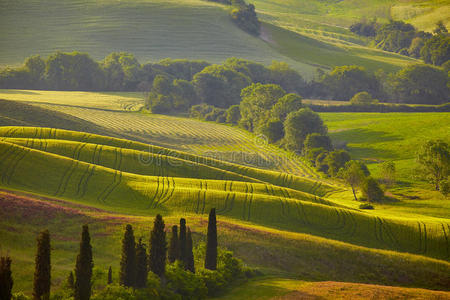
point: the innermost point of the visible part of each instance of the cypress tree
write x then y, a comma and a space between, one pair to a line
83, 268
71, 281
141, 265
182, 243
211, 242
110, 275
190, 253
127, 276
158, 247
6, 281
174, 245
41, 282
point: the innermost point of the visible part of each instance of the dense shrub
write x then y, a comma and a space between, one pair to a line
244, 16
273, 130
363, 98
185, 283
366, 206
233, 114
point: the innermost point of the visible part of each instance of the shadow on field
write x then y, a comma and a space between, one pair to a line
19, 92
362, 135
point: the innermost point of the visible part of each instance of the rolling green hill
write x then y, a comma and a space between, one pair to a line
193, 29
75, 171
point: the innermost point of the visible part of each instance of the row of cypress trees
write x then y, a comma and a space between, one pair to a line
134, 264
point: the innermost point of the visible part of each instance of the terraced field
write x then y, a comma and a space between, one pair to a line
137, 178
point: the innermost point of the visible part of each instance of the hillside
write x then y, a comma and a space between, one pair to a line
192, 29
281, 253
75, 170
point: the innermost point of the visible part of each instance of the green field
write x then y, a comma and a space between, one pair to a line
192, 29
290, 225
137, 178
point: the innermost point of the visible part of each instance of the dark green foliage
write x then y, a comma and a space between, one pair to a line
41, 282
189, 252
354, 174
110, 280
199, 111
257, 100
436, 50
245, 17
285, 105
185, 283
257, 72
83, 268
6, 281
216, 115
343, 82
321, 162
273, 130
122, 71
317, 140
434, 160
211, 242
421, 84
336, 160
233, 114
71, 281
312, 154
286, 77
395, 36
363, 98
299, 125
364, 28
174, 246
158, 247
73, 71
35, 66
444, 187
141, 265
127, 275
180, 68
372, 190
220, 85
182, 242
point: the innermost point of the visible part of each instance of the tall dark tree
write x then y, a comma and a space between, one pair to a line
211, 242
6, 281
71, 281
141, 265
190, 253
110, 275
41, 282
127, 276
83, 268
158, 247
174, 245
182, 242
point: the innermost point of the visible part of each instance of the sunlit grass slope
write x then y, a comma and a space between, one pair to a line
101, 176
275, 252
378, 137
110, 111
152, 30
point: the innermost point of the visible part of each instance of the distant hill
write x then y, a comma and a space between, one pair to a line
193, 29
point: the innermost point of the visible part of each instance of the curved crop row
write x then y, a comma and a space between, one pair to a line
240, 200
273, 177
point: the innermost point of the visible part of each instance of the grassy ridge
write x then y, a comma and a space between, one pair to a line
263, 204
284, 254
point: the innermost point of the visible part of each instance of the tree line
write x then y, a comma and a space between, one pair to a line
175, 85
405, 39
165, 271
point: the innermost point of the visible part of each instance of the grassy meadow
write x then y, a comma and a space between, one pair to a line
192, 29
